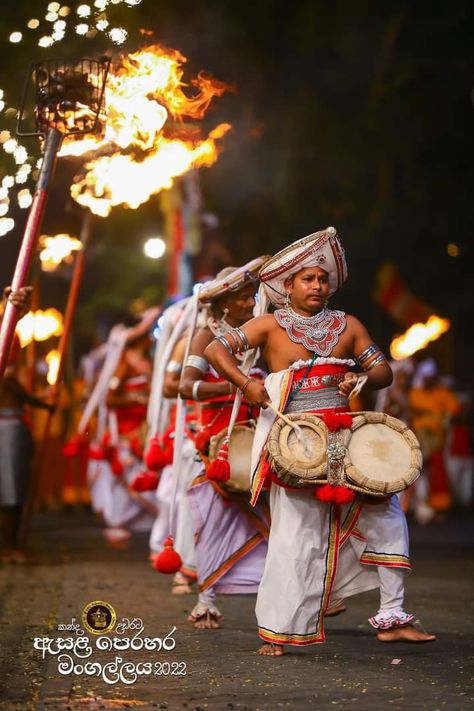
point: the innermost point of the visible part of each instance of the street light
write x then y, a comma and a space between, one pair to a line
154, 248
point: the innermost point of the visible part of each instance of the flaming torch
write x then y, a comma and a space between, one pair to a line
418, 336
68, 98
147, 143
57, 249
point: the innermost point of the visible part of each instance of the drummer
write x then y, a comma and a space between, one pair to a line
335, 549
231, 536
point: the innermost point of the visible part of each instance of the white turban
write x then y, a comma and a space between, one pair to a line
322, 249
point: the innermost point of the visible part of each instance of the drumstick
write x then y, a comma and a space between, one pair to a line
298, 431
361, 381
285, 419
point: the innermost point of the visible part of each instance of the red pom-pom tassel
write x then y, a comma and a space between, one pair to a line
325, 493
202, 439
219, 469
335, 422
71, 448
115, 464
343, 495
145, 481
168, 561
346, 420
96, 451
334, 494
155, 458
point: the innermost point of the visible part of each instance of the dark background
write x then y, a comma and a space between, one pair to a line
352, 114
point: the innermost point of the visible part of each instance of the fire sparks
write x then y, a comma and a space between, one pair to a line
57, 249
146, 144
39, 326
418, 336
52, 359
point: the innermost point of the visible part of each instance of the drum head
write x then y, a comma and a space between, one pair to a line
383, 455
240, 452
298, 457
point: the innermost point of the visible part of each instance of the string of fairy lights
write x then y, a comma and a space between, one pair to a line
86, 20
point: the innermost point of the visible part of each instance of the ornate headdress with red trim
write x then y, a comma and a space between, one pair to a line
320, 249
231, 279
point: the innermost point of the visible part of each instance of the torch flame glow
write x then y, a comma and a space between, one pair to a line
52, 359
146, 144
39, 326
57, 249
418, 336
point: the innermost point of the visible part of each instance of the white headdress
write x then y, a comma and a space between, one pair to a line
321, 249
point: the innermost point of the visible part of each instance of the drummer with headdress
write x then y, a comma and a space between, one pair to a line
231, 535
325, 544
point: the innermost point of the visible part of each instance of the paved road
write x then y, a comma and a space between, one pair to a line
73, 567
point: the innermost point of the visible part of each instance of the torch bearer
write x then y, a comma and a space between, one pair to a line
68, 97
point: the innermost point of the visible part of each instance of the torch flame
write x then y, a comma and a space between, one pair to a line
39, 326
418, 336
146, 145
52, 359
57, 249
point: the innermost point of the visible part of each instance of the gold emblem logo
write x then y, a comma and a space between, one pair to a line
99, 617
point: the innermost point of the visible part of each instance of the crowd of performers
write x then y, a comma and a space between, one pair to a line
181, 445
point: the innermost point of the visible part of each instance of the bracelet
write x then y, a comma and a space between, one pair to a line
380, 359
245, 385
368, 353
195, 394
225, 343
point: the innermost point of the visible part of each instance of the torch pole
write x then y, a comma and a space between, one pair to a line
28, 244
73, 295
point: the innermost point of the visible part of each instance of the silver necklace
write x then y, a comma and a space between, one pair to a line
318, 334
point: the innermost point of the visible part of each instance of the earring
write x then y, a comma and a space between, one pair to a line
287, 300
224, 314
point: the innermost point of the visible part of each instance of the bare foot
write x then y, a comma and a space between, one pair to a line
271, 650
335, 611
407, 633
181, 589
206, 621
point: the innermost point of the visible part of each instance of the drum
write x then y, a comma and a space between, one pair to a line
299, 457
383, 456
240, 452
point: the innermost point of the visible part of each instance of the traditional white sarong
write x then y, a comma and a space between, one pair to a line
112, 498
317, 550
231, 539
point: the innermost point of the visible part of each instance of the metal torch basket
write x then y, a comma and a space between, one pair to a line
68, 95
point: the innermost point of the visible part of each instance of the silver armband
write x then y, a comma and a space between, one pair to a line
225, 343
245, 346
368, 353
194, 361
174, 366
195, 393
380, 359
